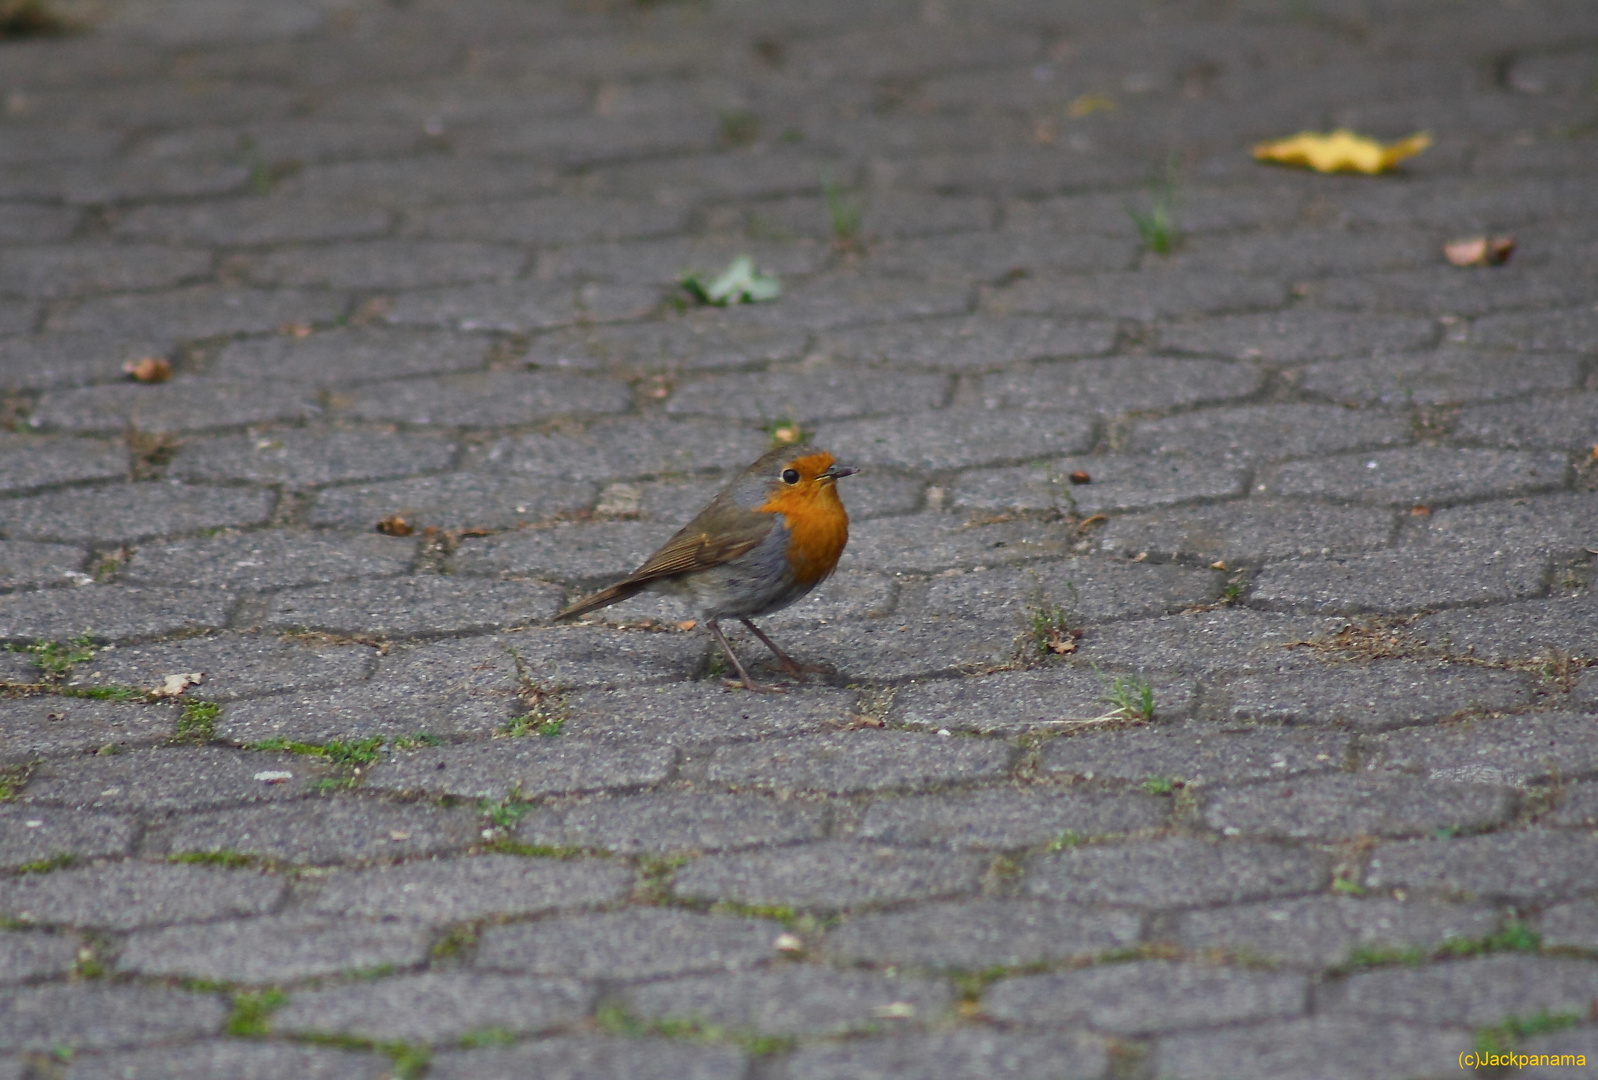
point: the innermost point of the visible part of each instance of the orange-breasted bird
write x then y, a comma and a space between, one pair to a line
764, 541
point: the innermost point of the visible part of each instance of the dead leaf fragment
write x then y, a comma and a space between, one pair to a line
394, 525
1480, 250
687, 624
149, 369
173, 685
1420, 511
296, 330
788, 943
1340, 151
1088, 104
1081, 477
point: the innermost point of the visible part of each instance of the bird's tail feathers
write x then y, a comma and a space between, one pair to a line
604, 598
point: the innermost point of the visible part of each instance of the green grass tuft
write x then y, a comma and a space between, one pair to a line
198, 722
252, 1012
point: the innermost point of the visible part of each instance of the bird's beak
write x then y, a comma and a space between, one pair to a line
835, 471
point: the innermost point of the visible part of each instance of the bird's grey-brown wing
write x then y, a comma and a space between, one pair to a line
719, 534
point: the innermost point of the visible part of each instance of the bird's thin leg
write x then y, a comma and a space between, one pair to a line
792, 666
749, 684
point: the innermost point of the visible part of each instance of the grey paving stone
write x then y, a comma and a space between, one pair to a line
665, 263
1447, 290
33, 834
27, 956
490, 399
640, 943
173, 780
1120, 384
60, 270
968, 344
1119, 482
930, 542
846, 299
1228, 639
40, 361
1343, 807
1362, 1049
625, 449
253, 221
1263, 433
1008, 817
1440, 378
89, 183
712, 338
674, 821
82, 1016
25, 563
1529, 628
19, 316
1323, 931
807, 396
1141, 295
1176, 872
793, 1000
346, 355
688, 713
555, 219
580, 657
130, 895
970, 1054
1257, 530
859, 761
1298, 335
234, 1058
185, 404
415, 605
1562, 422
1562, 524
995, 257
201, 311
318, 832
39, 462
829, 876
885, 216
435, 1008
300, 457
233, 665
55, 726
1478, 992
1563, 1050
957, 438
520, 306
592, 1059
1370, 697
1574, 925
531, 767
1089, 590
1533, 864
1513, 750
457, 890
1404, 580
274, 949
1021, 701
132, 511
384, 264
591, 552
452, 501
1568, 328
982, 934
268, 560
1310, 253
1199, 754
1420, 475
1578, 806
1147, 997
37, 223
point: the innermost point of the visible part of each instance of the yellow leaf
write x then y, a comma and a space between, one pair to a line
1088, 104
1340, 151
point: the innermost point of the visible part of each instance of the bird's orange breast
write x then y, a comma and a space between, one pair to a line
818, 527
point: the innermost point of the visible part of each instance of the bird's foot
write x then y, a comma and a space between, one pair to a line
753, 687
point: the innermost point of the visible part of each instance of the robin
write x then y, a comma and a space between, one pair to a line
764, 541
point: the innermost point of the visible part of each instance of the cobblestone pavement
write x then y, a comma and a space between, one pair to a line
420, 258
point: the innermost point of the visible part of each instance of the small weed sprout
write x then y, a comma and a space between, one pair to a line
1129, 697
547, 710
785, 432
252, 1012
845, 213
1157, 228
1070, 838
198, 722
57, 658
738, 127
1160, 785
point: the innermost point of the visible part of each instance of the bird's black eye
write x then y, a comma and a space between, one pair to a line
790, 476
